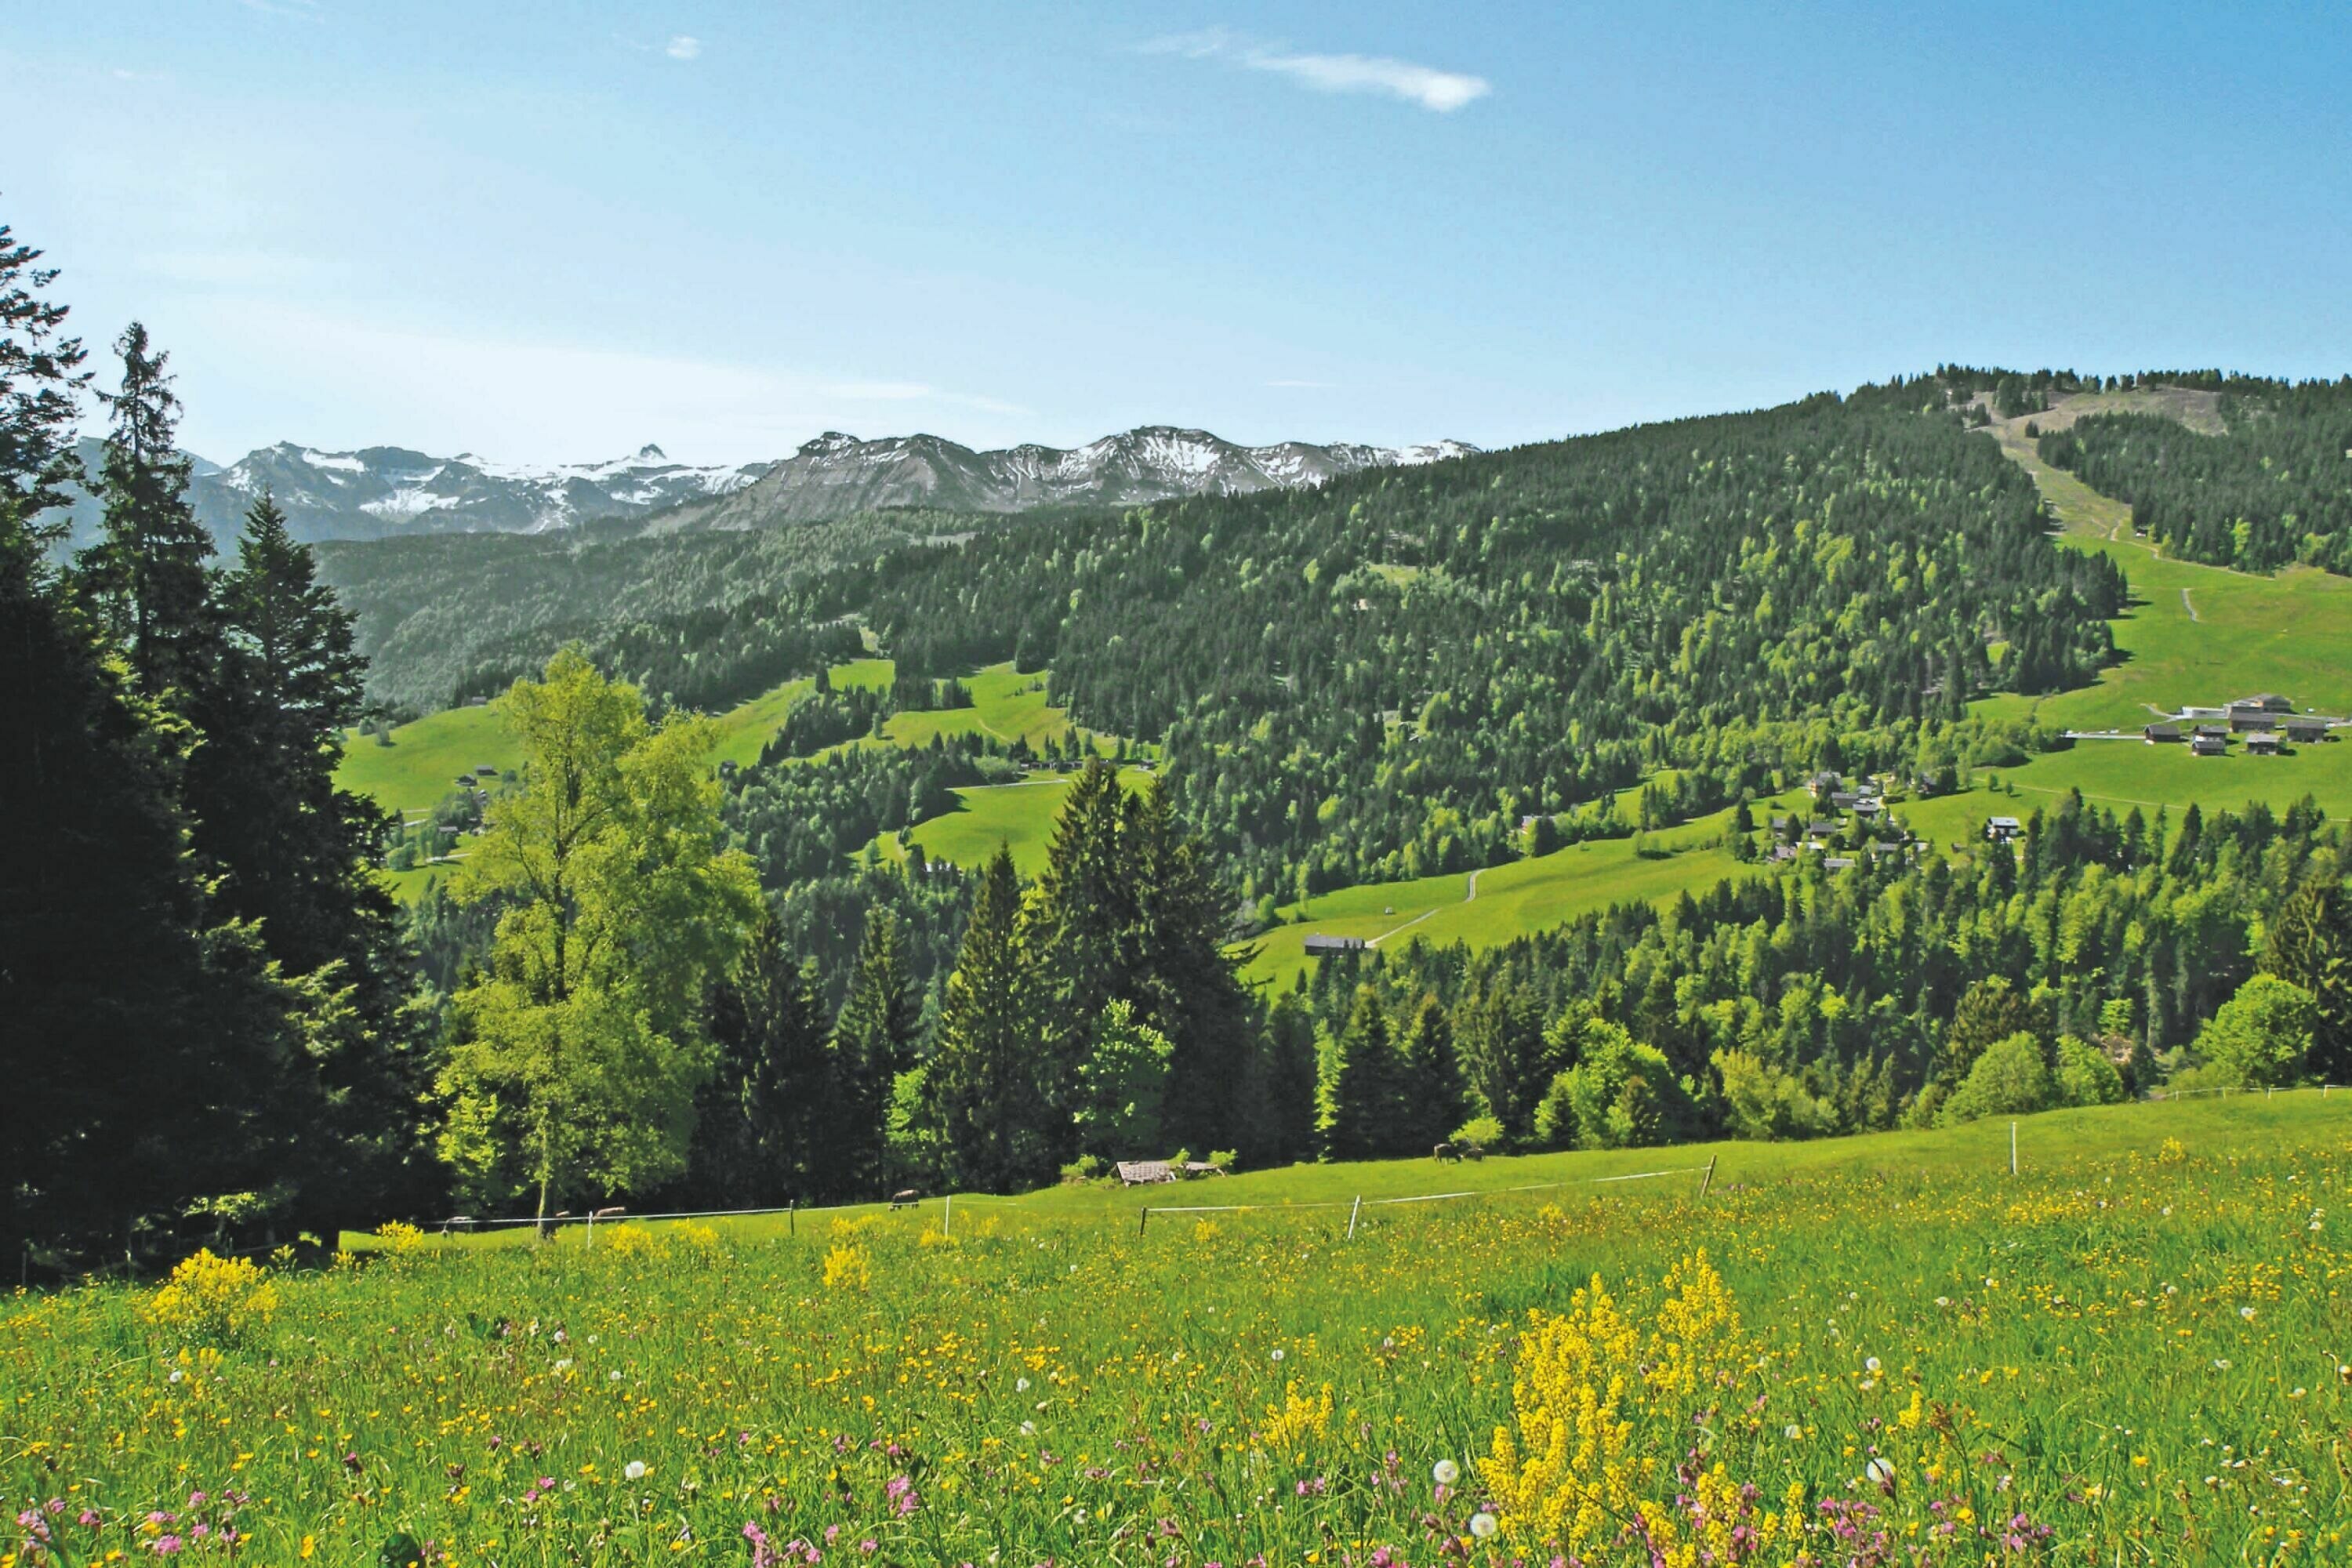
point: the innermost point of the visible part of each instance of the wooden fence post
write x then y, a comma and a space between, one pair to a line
947, 1212
1143, 1219
1352, 1213
1708, 1180
2013, 1148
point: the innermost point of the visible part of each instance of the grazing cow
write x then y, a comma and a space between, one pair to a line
1445, 1152
900, 1200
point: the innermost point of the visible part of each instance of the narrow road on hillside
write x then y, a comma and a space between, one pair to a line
2187, 606
1466, 897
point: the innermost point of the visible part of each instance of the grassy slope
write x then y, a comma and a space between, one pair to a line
1020, 814
2095, 1344
2291, 634
1513, 900
1005, 704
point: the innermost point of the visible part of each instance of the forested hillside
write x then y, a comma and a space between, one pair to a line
2275, 488
1381, 678
696, 618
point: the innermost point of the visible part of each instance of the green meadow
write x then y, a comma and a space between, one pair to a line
1018, 815
2126, 1353
1006, 704
1510, 901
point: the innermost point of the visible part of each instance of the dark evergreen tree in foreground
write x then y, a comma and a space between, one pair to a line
137, 1027
873, 1042
297, 856
1364, 1110
760, 1120
985, 1101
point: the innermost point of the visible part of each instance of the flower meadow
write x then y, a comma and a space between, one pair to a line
1884, 1351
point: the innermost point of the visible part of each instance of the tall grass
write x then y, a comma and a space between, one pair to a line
2129, 1351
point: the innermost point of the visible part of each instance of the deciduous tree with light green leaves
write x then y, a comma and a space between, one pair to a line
2260, 1037
581, 1049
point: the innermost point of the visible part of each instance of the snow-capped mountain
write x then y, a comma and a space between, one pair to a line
835, 475
385, 490
390, 491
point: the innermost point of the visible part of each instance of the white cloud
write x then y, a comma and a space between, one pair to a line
1442, 91
685, 47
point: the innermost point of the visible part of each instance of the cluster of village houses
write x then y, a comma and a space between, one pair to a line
1851, 809
2268, 721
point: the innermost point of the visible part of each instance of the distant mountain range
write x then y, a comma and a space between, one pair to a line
389, 491
838, 476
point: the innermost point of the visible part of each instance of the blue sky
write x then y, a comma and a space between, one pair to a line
549, 232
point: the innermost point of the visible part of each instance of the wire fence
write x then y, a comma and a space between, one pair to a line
1355, 1205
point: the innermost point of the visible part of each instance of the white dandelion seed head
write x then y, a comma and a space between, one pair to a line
1483, 1526
1275, 1354
1445, 1472
1871, 1363
635, 1470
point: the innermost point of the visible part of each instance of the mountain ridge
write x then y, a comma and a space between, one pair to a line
392, 491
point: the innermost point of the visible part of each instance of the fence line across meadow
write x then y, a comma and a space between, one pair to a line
1355, 1206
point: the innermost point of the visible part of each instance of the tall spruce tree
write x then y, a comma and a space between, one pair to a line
1503, 1054
982, 1086
1276, 1120
760, 1120
1083, 940
1363, 1113
292, 852
873, 1041
1191, 983
1432, 1076
148, 577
